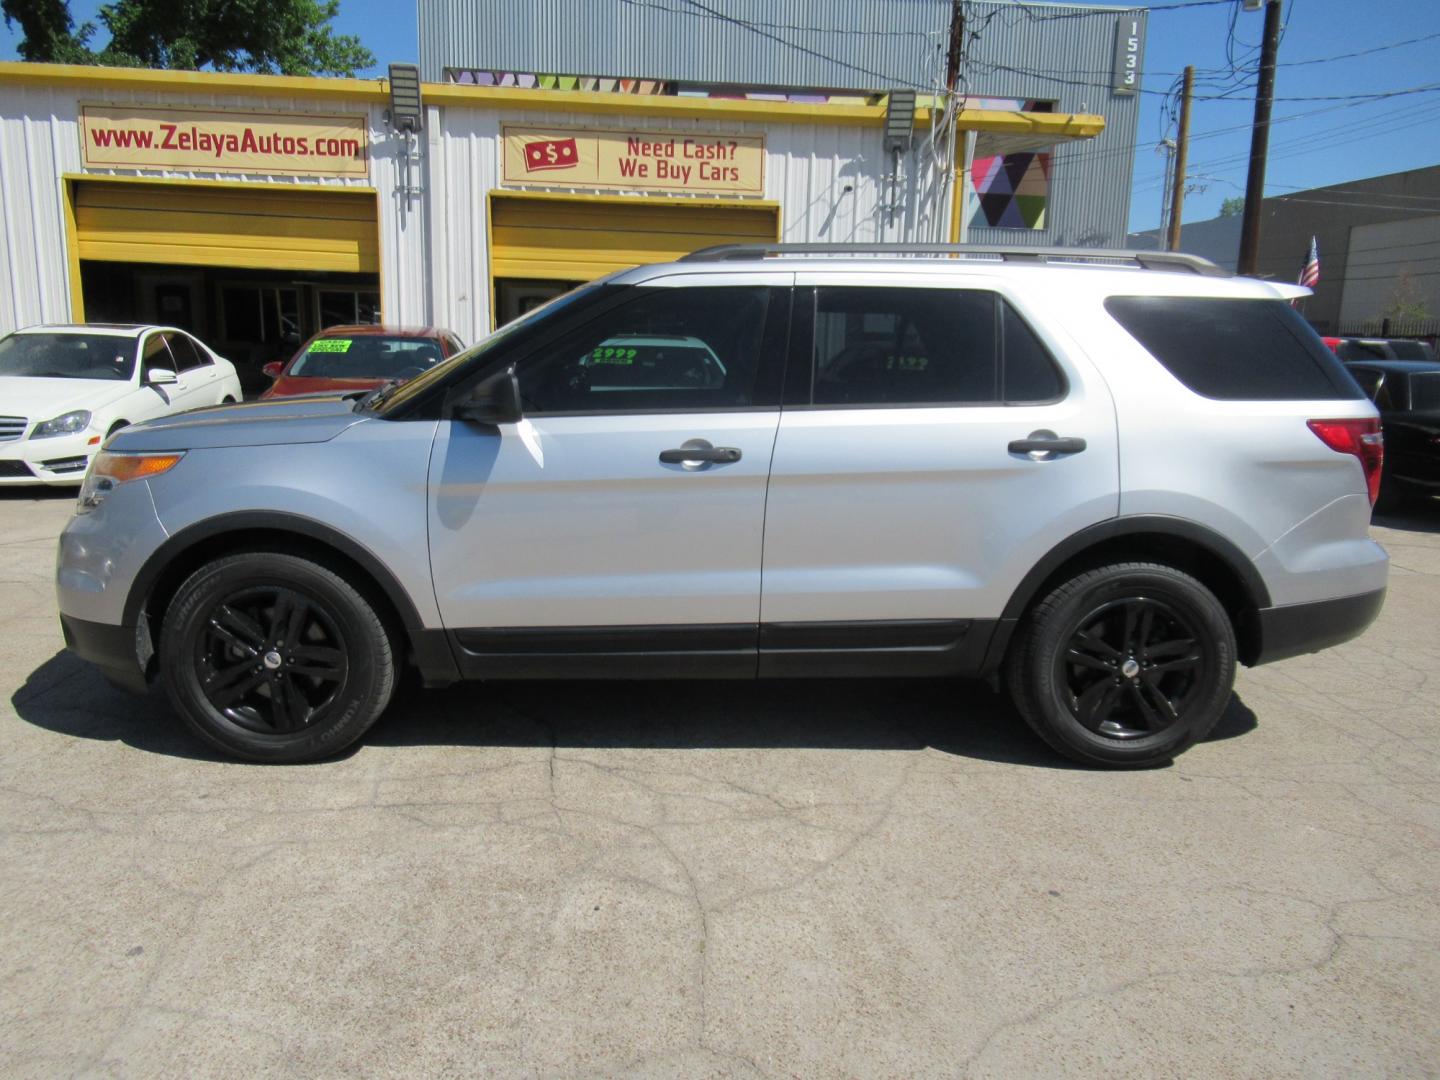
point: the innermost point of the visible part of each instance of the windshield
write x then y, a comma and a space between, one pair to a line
68, 356
366, 356
408, 391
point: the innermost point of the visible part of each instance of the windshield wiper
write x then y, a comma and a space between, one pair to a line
373, 399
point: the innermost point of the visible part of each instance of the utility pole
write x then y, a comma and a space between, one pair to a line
1177, 193
1260, 141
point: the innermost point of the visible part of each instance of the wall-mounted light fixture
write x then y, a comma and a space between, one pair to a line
899, 119
406, 113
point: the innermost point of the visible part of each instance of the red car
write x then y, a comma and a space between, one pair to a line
343, 358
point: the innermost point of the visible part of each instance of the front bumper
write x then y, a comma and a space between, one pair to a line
113, 649
1296, 629
60, 461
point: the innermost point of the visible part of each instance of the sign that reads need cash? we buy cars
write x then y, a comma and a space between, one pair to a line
635, 160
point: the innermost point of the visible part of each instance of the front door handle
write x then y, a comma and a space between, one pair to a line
1047, 444
686, 454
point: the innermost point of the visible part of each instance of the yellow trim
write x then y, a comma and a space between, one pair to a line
237, 185
555, 247
494, 303
72, 252
256, 226
632, 200
372, 91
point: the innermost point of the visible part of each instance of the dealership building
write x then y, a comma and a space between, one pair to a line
257, 209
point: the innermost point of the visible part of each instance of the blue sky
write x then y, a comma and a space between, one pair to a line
1313, 142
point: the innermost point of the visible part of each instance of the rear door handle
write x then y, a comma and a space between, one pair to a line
1052, 444
685, 454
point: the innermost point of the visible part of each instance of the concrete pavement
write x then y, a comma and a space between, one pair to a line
809, 880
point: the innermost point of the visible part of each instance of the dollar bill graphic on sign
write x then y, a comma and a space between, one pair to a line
551, 154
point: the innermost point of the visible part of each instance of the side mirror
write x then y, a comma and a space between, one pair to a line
161, 377
494, 401
272, 370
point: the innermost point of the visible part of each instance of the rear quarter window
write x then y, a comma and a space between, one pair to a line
1235, 349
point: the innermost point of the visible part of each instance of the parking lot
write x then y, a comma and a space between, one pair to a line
800, 879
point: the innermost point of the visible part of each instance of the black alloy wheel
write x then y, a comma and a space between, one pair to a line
271, 659
275, 657
1127, 664
1134, 667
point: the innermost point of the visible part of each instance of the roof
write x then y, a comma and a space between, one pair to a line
107, 329
1028, 127
1396, 367
377, 330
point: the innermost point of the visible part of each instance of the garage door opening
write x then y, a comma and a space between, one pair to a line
542, 245
253, 271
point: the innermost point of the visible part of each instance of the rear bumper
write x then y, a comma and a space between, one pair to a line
1296, 629
109, 648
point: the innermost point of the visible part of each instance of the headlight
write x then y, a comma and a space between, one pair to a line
68, 424
108, 470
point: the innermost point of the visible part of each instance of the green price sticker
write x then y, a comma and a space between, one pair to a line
613, 354
333, 344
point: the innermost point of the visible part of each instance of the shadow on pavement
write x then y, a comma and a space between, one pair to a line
968, 719
39, 493
1414, 516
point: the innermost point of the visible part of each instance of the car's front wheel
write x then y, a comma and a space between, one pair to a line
1124, 665
273, 657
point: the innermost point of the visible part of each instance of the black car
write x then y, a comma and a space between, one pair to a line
1364, 349
1407, 393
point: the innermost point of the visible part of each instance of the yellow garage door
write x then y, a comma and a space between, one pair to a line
581, 239
288, 228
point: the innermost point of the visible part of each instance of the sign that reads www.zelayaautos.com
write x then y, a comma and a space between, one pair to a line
172, 137
634, 160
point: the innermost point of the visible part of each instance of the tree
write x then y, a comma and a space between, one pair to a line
1406, 301
289, 37
1232, 207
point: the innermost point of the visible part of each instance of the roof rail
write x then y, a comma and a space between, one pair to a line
1148, 260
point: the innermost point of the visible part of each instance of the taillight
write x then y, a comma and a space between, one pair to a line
1360, 437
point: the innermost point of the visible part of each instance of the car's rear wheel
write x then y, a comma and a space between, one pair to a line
272, 657
1124, 665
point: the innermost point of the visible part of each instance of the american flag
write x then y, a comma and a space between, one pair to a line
1310, 272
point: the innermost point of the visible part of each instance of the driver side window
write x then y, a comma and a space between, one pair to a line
670, 348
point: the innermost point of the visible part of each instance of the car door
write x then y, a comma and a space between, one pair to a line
156, 400
198, 375
617, 528
931, 450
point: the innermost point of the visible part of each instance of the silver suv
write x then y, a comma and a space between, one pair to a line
1106, 479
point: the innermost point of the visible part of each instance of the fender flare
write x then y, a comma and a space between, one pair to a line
275, 521
1118, 528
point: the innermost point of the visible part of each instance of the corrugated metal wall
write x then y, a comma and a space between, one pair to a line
40, 144
1061, 54
1027, 51
807, 171
831, 43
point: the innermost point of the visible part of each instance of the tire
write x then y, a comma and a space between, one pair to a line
1124, 666
116, 427
313, 639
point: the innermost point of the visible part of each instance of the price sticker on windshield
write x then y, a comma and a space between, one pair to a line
330, 345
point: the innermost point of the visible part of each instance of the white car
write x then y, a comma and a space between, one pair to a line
64, 389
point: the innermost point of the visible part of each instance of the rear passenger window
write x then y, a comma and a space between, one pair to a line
1029, 373
187, 356
1235, 350
898, 346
